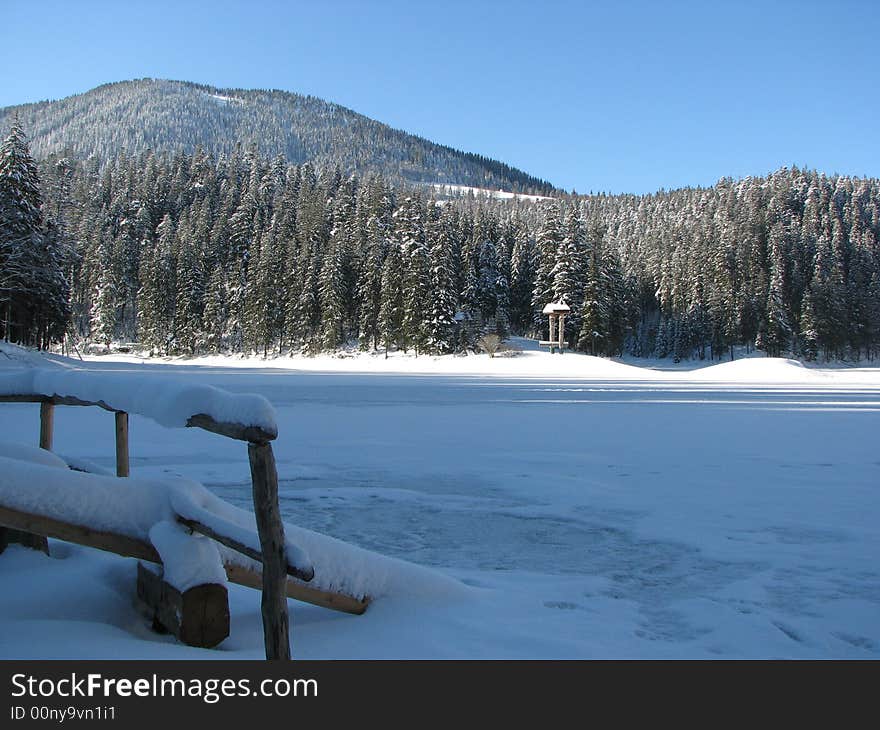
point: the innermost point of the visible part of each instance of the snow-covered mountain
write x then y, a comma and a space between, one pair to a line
174, 115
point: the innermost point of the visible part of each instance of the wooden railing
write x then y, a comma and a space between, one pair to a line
273, 577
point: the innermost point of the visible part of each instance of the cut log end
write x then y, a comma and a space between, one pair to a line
199, 616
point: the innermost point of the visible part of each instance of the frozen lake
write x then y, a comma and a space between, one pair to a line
661, 516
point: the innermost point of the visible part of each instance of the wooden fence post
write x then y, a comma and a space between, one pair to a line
8, 535
264, 477
121, 444
47, 425
30, 539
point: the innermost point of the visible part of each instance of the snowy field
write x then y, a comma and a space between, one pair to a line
569, 507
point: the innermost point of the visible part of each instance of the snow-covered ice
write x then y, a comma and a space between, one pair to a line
562, 506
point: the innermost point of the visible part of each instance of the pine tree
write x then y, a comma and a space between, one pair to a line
809, 329
391, 311
775, 333
190, 294
416, 274
441, 314
104, 316
548, 239
333, 299
158, 286
30, 274
522, 282
569, 258
308, 307
594, 313
214, 317
369, 288
619, 303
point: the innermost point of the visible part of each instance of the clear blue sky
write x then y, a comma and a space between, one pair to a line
617, 96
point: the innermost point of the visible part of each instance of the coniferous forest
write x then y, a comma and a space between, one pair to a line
241, 253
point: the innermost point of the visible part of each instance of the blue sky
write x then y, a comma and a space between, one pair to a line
616, 96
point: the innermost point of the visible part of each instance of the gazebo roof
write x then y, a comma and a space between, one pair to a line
556, 308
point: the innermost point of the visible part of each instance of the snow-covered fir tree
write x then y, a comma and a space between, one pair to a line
33, 287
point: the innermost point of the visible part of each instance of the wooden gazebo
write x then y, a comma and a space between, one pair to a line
556, 311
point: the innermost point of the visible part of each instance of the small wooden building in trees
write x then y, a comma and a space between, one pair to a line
556, 312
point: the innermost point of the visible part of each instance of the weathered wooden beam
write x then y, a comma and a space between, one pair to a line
69, 400
135, 548
199, 616
237, 431
29, 398
60, 530
121, 443
47, 425
233, 544
264, 478
60, 400
325, 599
253, 434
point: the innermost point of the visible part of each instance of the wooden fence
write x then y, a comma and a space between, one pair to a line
272, 579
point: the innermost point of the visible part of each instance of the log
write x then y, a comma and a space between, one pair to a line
294, 589
142, 550
264, 478
23, 398
199, 616
78, 534
121, 443
195, 526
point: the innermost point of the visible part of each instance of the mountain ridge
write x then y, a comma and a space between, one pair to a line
178, 116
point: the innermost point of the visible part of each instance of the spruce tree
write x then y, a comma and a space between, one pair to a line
369, 287
29, 269
441, 314
522, 282
548, 239
391, 311
333, 299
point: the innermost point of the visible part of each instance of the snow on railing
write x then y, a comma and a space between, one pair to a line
171, 402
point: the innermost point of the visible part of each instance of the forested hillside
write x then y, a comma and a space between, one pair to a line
132, 117
192, 254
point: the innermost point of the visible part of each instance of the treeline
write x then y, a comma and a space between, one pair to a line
191, 254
